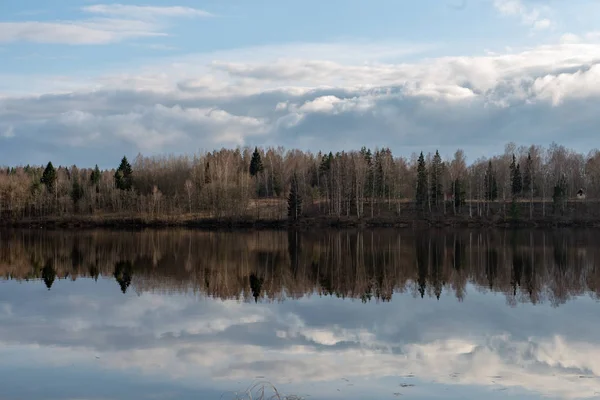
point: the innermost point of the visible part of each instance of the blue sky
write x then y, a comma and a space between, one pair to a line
82, 81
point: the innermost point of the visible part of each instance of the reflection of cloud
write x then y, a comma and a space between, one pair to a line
304, 342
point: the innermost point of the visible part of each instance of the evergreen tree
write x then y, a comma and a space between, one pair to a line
380, 189
124, 175
491, 184
95, 176
422, 190
436, 172
49, 177
207, 178
459, 193
76, 192
559, 197
294, 199
325, 165
515, 177
366, 154
256, 165
528, 175
518, 183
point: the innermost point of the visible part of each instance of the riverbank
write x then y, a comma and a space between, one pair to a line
321, 222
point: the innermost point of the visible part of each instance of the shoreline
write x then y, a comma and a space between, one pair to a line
322, 222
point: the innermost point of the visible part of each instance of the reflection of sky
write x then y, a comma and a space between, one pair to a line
85, 340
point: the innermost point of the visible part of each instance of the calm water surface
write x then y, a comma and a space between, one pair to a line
322, 315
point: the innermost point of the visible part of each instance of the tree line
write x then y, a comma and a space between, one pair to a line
278, 183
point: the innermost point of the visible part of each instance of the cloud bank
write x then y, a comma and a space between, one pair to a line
319, 97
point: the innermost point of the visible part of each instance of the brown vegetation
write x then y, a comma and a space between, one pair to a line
237, 185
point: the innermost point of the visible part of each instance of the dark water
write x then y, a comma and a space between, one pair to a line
322, 315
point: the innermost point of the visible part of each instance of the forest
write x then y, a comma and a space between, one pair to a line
277, 184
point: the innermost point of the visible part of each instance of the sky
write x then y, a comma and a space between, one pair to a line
85, 82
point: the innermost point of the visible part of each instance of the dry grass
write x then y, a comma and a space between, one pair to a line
262, 390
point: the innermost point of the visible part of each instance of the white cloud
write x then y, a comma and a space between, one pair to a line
76, 32
531, 16
324, 100
144, 12
541, 24
119, 22
570, 38
156, 127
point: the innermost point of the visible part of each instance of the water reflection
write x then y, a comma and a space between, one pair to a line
382, 314
526, 266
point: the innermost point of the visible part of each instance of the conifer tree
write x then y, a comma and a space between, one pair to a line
528, 183
559, 196
528, 175
294, 199
256, 165
49, 177
422, 189
491, 184
459, 194
76, 193
207, 178
515, 177
436, 172
95, 176
124, 175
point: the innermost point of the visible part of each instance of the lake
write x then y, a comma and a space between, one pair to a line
383, 314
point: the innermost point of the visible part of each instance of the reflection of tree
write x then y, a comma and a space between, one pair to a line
76, 256
560, 252
94, 272
517, 265
459, 253
48, 274
123, 274
294, 247
437, 261
529, 272
422, 252
366, 265
491, 266
256, 286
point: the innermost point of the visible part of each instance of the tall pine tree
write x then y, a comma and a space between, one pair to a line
515, 178
124, 175
458, 193
559, 197
256, 165
528, 176
49, 177
436, 174
294, 199
95, 176
491, 184
422, 189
